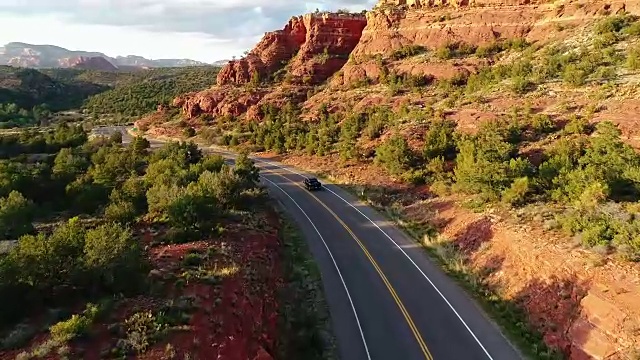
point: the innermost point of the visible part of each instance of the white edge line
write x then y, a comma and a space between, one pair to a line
402, 250
364, 342
388, 237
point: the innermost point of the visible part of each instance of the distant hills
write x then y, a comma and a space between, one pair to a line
50, 56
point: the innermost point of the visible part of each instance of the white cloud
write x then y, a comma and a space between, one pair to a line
198, 29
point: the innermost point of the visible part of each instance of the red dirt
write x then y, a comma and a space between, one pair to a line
242, 325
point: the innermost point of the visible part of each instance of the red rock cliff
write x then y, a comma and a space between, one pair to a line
314, 45
393, 24
271, 54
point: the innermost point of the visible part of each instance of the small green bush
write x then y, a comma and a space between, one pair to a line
77, 325
574, 76
408, 51
518, 192
192, 260
394, 154
633, 58
453, 50
439, 139
123, 212
577, 125
189, 132
520, 85
614, 24
142, 330
542, 124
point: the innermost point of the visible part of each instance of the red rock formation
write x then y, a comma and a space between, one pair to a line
219, 101
433, 23
316, 45
88, 63
271, 54
329, 42
309, 50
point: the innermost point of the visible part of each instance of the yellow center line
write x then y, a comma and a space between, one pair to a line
394, 294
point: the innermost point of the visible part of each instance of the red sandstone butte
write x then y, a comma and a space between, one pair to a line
311, 47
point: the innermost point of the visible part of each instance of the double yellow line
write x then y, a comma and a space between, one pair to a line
395, 296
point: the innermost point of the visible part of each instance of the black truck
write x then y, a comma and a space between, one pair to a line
312, 184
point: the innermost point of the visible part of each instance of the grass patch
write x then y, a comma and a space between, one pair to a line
304, 314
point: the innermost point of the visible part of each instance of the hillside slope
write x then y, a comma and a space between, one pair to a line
508, 127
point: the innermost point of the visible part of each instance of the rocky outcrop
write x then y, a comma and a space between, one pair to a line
88, 63
271, 54
310, 49
394, 24
218, 102
230, 101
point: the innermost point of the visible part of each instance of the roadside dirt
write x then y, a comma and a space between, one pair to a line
235, 303
585, 304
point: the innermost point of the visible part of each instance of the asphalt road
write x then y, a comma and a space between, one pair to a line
387, 299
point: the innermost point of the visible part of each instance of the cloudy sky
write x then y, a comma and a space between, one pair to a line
205, 30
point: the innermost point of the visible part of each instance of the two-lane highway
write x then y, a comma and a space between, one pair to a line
407, 308
387, 299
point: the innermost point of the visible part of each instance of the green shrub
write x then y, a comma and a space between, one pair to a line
444, 53
627, 240
394, 154
376, 124
452, 50
191, 260
518, 192
408, 51
482, 163
574, 76
520, 85
189, 132
16, 216
77, 325
415, 177
577, 125
633, 58
614, 24
542, 124
113, 256
45, 262
439, 139
633, 29
123, 212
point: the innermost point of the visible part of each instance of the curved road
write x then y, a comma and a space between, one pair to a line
387, 299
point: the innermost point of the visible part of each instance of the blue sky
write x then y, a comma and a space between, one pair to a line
205, 30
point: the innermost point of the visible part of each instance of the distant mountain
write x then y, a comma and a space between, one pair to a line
220, 62
50, 56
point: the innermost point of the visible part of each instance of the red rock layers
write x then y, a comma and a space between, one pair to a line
309, 50
271, 53
329, 41
434, 23
315, 45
